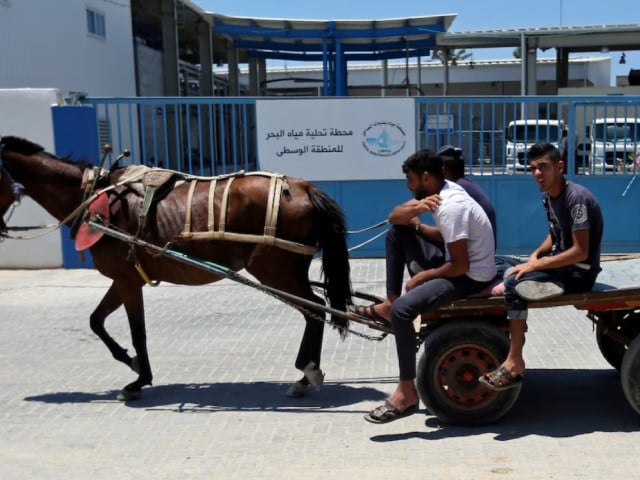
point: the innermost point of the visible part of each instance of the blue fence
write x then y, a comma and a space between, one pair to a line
600, 135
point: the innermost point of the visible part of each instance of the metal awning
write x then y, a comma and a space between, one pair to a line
332, 42
313, 40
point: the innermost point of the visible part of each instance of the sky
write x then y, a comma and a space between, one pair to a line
472, 15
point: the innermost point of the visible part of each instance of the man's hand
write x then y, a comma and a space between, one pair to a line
520, 269
417, 280
432, 202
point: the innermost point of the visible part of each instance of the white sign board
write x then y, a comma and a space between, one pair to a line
336, 139
439, 123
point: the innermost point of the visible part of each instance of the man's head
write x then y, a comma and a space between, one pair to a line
452, 162
547, 167
424, 174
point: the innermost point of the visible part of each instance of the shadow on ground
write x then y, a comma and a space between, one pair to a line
553, 403
202, 397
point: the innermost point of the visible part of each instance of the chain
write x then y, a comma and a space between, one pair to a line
305, 311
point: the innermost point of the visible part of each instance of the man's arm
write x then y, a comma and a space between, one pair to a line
578, 252
543, 249
407, 214
456, 266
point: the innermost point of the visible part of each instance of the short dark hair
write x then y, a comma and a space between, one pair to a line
541, 149
452, 160
424, 161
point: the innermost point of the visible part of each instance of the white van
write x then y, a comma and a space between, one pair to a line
521, 134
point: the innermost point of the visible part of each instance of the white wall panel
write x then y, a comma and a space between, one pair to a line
27, 113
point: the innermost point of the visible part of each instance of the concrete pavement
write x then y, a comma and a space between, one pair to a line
223, 357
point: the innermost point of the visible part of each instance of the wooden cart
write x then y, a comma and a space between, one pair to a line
468, 338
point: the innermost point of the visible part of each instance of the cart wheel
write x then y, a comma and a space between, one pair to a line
624, 323
455, 355
630, 374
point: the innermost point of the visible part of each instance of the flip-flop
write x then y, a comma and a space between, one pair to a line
369, 311
500, 379
386, 413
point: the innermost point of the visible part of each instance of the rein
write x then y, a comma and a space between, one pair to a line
366, 229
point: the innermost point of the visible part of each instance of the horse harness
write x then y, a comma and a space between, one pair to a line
152, 184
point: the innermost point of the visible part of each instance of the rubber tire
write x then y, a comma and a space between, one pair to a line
473, 347
625, 323
630, 374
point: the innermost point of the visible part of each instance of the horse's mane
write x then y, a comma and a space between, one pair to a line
20, 145
27, 147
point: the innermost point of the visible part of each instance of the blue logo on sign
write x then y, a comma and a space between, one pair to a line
384, 139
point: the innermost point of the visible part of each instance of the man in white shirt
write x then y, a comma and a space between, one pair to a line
467, 266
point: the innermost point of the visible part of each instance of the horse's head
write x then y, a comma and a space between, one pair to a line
10, 191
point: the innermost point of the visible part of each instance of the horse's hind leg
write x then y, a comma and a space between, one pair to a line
308, 359
291, 275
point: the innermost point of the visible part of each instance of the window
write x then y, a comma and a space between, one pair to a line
95, 23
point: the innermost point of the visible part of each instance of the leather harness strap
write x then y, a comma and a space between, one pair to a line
224, 205
186, 233
277, 186
212, 203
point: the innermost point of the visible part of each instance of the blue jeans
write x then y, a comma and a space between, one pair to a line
573, 279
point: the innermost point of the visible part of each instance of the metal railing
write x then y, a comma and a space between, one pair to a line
216, 135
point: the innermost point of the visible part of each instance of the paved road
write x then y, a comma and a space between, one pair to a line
223, 358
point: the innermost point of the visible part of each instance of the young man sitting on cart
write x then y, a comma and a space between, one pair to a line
457, 261
568, 260
419, 246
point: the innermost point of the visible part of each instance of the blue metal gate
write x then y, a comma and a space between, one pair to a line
211, 136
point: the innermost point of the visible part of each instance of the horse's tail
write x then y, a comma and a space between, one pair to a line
331, 232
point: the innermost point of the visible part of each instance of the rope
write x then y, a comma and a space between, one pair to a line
355, 247
366, 229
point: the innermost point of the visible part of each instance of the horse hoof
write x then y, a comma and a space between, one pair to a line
135, 365
314, 375
127, 396
297, 390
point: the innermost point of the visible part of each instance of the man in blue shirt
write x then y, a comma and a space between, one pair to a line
568, 259
453, 168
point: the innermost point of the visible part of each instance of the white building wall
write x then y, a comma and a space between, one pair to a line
28, 114
46, 45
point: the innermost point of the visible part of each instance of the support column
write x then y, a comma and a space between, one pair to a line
234, 86
262, 75
171, 77
253, 77
532, 70
170, 48
385, 77
445, 83
206, 59
562, 68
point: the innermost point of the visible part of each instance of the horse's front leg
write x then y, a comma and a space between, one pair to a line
133, 303
109, 304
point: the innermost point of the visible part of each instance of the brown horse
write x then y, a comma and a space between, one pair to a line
305, 216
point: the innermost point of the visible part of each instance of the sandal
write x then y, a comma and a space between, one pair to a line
500, 379
386, 413
368, 311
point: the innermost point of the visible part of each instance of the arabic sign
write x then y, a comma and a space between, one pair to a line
336, 139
